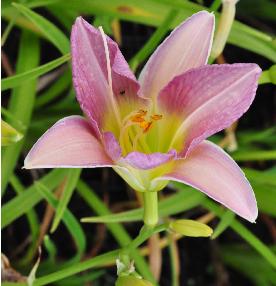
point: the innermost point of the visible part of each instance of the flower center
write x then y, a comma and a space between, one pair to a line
135, 126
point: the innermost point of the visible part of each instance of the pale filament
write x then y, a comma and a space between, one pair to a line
109, 76
136, 118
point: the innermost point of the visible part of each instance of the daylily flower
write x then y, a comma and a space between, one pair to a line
153, 130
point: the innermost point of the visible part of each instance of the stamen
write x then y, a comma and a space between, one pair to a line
124, 132
138, 119
109, 77
137, 137
156, 117
145, 125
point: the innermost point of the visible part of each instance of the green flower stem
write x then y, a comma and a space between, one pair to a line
145, 233
150, 208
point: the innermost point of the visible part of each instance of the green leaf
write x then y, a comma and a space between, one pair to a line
96, 262
248, 236
83, 279
268, 76
116, 229
153, 42
68, 218
9, 135
190, 228
254, 155
51, 248
71, 182
224, 223
153, 13
21, 102
243, 260
20, 78
33, 224
266, 198
61, 84
22, 203
181, 201
49, 30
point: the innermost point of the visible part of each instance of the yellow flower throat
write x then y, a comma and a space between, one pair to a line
134, 127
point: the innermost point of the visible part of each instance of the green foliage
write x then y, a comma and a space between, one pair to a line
31, 107
20, 78
22, 101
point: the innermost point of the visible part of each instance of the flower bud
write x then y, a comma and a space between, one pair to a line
9, 135
191, 228
224, 27
131, 281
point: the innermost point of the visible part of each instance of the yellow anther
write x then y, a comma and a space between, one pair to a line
156, 117
130, 135
137, 118
145, 125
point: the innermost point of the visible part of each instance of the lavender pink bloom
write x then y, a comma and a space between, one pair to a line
153, 130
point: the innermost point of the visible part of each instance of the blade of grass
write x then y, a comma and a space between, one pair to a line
22, 203
72, 179
95, 262
174, 204
51, 249
153, 12
8, 30
268, 76
245, 234
22, 101
18, 124
68, 218
254, 155
55, 90
174, 261
154, 40
243, 260
48, 29
215, 5
116, 229
262, 178
32, 73
78, 280
33, 223
224, 223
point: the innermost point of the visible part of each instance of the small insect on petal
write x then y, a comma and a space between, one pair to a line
191, 228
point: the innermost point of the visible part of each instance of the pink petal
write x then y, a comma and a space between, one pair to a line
148, 161
188, 46
209, 99
112, 146
70, 143
90, 71
211, 170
